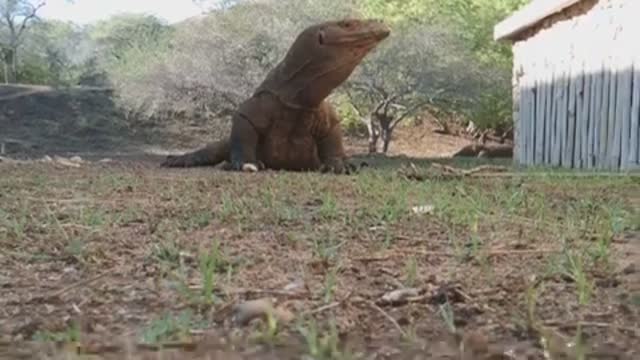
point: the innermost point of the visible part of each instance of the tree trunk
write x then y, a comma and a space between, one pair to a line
10, 68
373, 143
386, 139
373, 135
14, 66
384, 121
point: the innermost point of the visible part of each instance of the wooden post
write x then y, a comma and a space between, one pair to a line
542, 104
626, 103
611, 118
580, 96
516, 106
563, 109
585, 122
552, 118
634, 141
619, 114
571, 113
543, 127
593, 121
603, 117
532, 119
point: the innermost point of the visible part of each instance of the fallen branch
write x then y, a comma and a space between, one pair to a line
485, 151
563, 325
79, 283
403, 252
333, 305
441, 171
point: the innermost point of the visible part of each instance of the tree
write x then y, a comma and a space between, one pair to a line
54, 52
470, 23
15, 16
119, 33
420, 67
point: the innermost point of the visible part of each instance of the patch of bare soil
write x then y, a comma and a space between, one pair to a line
415, 141
113, 260
41, 120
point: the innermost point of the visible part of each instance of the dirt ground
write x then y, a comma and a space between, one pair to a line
114, 258
121, 259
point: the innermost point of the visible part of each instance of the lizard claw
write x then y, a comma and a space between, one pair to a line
245, 167
338, 166
249, 168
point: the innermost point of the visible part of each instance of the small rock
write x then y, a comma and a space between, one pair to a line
400, 295
298, 284
65, 162
76, 159
423, 209
105, 160
46, 158
260, 308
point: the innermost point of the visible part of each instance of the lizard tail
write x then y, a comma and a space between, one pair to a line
210, 155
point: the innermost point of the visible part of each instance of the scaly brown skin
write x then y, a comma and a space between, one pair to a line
287, 124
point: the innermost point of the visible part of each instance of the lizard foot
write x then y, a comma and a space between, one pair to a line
245, 167
249, 168
338, 166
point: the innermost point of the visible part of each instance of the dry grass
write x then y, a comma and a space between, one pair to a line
115, 259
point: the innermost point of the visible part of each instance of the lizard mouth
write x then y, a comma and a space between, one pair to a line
362, 40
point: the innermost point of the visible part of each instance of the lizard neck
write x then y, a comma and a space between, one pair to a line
288, 104
305, 85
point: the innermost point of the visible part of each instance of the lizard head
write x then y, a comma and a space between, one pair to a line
323, 56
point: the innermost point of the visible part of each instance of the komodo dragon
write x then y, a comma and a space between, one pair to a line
287, 124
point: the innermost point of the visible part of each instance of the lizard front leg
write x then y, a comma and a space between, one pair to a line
331, 153
244, 145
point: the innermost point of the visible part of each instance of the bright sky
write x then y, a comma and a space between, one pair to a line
87, 11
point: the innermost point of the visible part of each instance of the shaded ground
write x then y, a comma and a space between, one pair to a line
127, 253
40, 120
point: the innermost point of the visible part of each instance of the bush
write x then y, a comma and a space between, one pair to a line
206, 66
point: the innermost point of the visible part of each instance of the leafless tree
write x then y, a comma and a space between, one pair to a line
15, 16
418, 68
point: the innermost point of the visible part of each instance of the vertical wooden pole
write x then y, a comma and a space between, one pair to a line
611, 118
542, 87
580, 100
603, 117
585, 122
618, 119
549, 117
562, 118
550, 113
593, 121
571, 114
626, 103
516, 106
634, 141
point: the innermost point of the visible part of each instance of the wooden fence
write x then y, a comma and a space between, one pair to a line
577, 87
577, 119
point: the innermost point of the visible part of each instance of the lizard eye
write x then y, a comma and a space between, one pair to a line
321, 38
